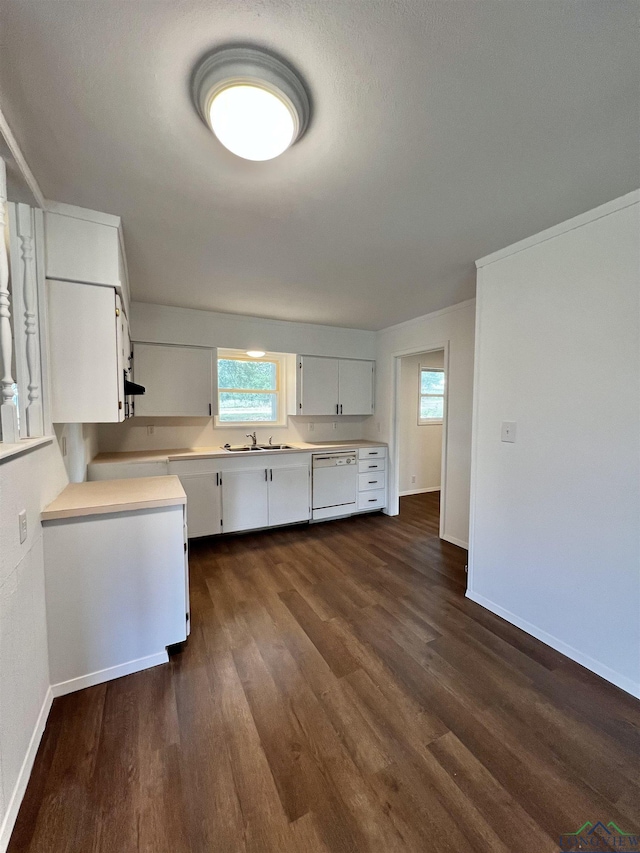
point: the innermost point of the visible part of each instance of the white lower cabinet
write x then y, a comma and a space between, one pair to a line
289, 494
265, 497
116, 593
204, 507
245, 500
372, 478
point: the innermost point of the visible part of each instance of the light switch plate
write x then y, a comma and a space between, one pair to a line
22, 521
508, 432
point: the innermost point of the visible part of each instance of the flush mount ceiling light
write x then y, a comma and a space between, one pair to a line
255, 104
255, 353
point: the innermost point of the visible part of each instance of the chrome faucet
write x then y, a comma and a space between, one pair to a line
270, 440
252, 436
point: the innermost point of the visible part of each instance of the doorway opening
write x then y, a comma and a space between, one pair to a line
421, 412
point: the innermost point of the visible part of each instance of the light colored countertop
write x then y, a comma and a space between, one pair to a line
131, 456
104, 496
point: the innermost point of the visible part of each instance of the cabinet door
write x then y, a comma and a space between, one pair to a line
289, 494
318, 385
81, 250
356, 387
85, 375
245, 502
203, 504
178, 380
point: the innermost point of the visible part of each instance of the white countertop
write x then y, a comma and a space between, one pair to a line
172, 455
104, 496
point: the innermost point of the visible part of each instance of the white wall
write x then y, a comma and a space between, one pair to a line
555, 543
454, 326
81, 444
163, 324
420, 444
29, 481
158, 323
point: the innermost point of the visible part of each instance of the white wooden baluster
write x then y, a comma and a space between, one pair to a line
8, 408
33, 408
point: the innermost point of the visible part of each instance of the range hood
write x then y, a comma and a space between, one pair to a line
131, 388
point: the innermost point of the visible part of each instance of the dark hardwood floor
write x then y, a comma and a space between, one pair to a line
338, 693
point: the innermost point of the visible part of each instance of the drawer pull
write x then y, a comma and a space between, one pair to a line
372, 482
373, 500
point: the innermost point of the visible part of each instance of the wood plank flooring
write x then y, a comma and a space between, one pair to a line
338, 693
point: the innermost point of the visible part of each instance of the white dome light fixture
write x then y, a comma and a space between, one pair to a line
255, 353
256, 106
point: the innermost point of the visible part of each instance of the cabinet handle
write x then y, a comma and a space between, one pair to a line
372, 500
337, 409
271, 473
372, 482
209, 409
265, 475
340, 408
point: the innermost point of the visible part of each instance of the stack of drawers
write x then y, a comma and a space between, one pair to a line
372, 477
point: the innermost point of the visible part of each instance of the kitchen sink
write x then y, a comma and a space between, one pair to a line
241, 448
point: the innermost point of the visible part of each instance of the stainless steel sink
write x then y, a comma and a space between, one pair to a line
242, 448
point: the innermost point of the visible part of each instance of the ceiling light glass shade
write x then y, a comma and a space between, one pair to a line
255, 353
255, 104
252, 122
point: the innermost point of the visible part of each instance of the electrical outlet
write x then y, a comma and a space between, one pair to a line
150, 430
413, 478
379, 427
22, 523
334, 425
63, 445
310, 426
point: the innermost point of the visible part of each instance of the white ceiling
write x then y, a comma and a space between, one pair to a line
441, 131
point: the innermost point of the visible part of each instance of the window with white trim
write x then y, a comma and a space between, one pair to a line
250, 390
431, 395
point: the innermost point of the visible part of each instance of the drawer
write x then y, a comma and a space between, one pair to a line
372, 452
368, 482
371, 465
372, 500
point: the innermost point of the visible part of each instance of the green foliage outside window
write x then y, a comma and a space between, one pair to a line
248, 390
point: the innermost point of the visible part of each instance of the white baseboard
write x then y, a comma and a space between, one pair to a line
588, 662
459, 542
418, 491
20, 787
102, 675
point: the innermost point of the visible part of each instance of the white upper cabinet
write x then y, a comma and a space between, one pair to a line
318, 385
334, 386
356, 387
85, 246
88, 346
179, 381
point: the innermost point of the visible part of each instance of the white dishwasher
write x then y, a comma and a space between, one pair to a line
334, 484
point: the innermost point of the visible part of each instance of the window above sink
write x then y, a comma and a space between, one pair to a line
250, 389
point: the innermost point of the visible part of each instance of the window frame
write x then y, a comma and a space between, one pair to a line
429, 421
279, 392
